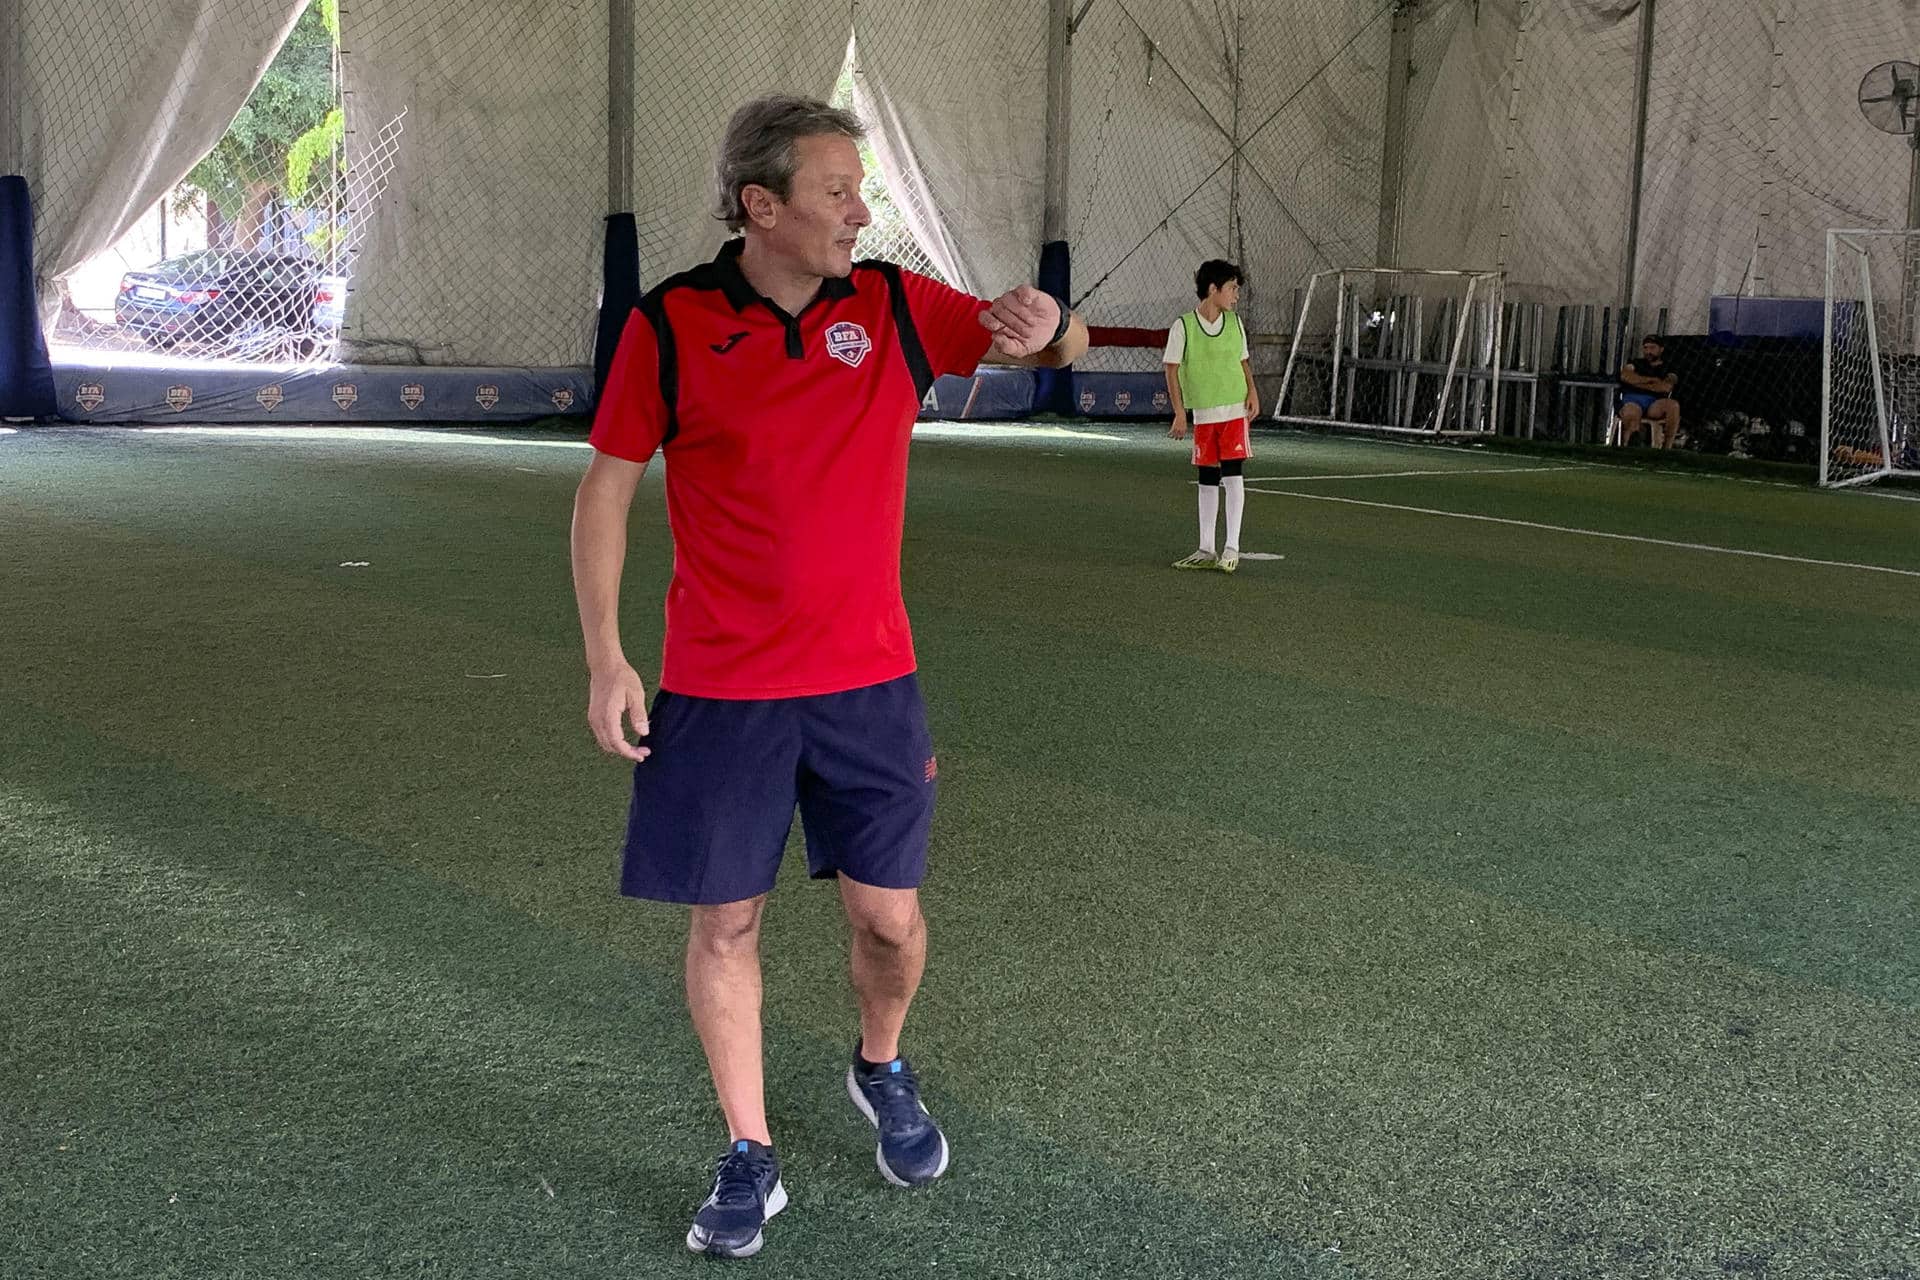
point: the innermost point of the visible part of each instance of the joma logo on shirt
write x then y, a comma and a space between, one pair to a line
848, 343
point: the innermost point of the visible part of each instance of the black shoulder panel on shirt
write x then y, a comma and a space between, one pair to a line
903, 325
653, 307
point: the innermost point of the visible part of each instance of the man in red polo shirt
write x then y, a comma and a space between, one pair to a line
781, 382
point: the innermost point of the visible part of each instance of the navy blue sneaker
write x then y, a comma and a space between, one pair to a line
746, 1192
912, 1149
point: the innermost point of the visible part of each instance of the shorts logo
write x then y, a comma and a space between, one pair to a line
270, 398
346, 395
179, 396
413, 395
1123, 401
90, 395
1087, 401
562, 399
848, 343
933, 768
486, 396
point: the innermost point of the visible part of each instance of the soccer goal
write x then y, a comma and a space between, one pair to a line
1870, 402
1394, 350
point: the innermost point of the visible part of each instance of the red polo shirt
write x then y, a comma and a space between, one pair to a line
785, 440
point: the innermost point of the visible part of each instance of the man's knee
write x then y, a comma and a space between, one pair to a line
891, 919
1629, 416
727, 929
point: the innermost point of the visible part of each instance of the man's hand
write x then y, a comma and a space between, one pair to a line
1022, 322
614, 696
1178, 431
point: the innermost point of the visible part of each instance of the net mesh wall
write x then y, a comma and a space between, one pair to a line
1257, 130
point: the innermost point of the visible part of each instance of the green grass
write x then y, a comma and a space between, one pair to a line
1449, 899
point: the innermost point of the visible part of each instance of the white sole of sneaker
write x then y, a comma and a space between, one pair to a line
776, 1201
879, 1153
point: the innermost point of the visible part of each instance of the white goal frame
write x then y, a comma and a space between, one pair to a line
1891, 434
1472, 396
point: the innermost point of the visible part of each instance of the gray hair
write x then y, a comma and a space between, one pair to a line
759, 148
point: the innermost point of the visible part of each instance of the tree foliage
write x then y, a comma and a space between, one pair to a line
295, 98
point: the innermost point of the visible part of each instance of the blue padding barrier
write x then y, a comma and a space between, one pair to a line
1122, 395
1731, 318
619, 293
26, 377
1053, 388
148, 393
1001, 394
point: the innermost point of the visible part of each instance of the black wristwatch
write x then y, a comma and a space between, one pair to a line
1066, 320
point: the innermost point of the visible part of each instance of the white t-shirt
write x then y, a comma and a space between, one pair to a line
1177, 351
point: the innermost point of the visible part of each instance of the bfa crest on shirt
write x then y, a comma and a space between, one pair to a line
179, 396
346, 395
848, 343
90, 395
413, 395
270, 398
562, 398
486, 396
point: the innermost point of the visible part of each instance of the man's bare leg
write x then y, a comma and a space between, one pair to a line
723, 994
889, 954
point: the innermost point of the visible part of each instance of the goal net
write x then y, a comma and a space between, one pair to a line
1403, 351
1870, 404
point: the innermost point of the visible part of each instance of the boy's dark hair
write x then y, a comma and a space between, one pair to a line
1215, 273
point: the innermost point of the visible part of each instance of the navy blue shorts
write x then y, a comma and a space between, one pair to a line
1643, 399
713, 804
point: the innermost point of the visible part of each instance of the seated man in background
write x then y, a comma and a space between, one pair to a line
1646, 391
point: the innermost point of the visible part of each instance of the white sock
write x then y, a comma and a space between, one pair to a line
1236, 487
1209, 511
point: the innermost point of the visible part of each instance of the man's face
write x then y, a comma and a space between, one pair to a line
1226, 296
814, 229
1651, 350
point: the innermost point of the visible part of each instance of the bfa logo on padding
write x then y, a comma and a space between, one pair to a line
1123, 401
486, 396
413, 395
270, 398
346, 395
179, 396
562, 398
1087, 401
848, 343
90, 395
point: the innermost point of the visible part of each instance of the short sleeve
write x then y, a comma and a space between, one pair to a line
1176, 343
949, 324
1246, 348
631, 419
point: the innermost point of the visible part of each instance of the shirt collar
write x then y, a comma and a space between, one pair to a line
740, 294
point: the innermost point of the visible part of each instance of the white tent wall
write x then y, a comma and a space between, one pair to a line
1151, 107
961, 142
1756, 145
693, 64
1517, 148
1312, 114
119, 99
1519, 145
485, 247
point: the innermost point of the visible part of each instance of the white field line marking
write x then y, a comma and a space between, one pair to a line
1395, 475
1593, 533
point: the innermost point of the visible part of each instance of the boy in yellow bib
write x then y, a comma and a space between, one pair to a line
1210, 379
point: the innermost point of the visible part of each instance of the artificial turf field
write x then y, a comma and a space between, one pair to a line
1451, 898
